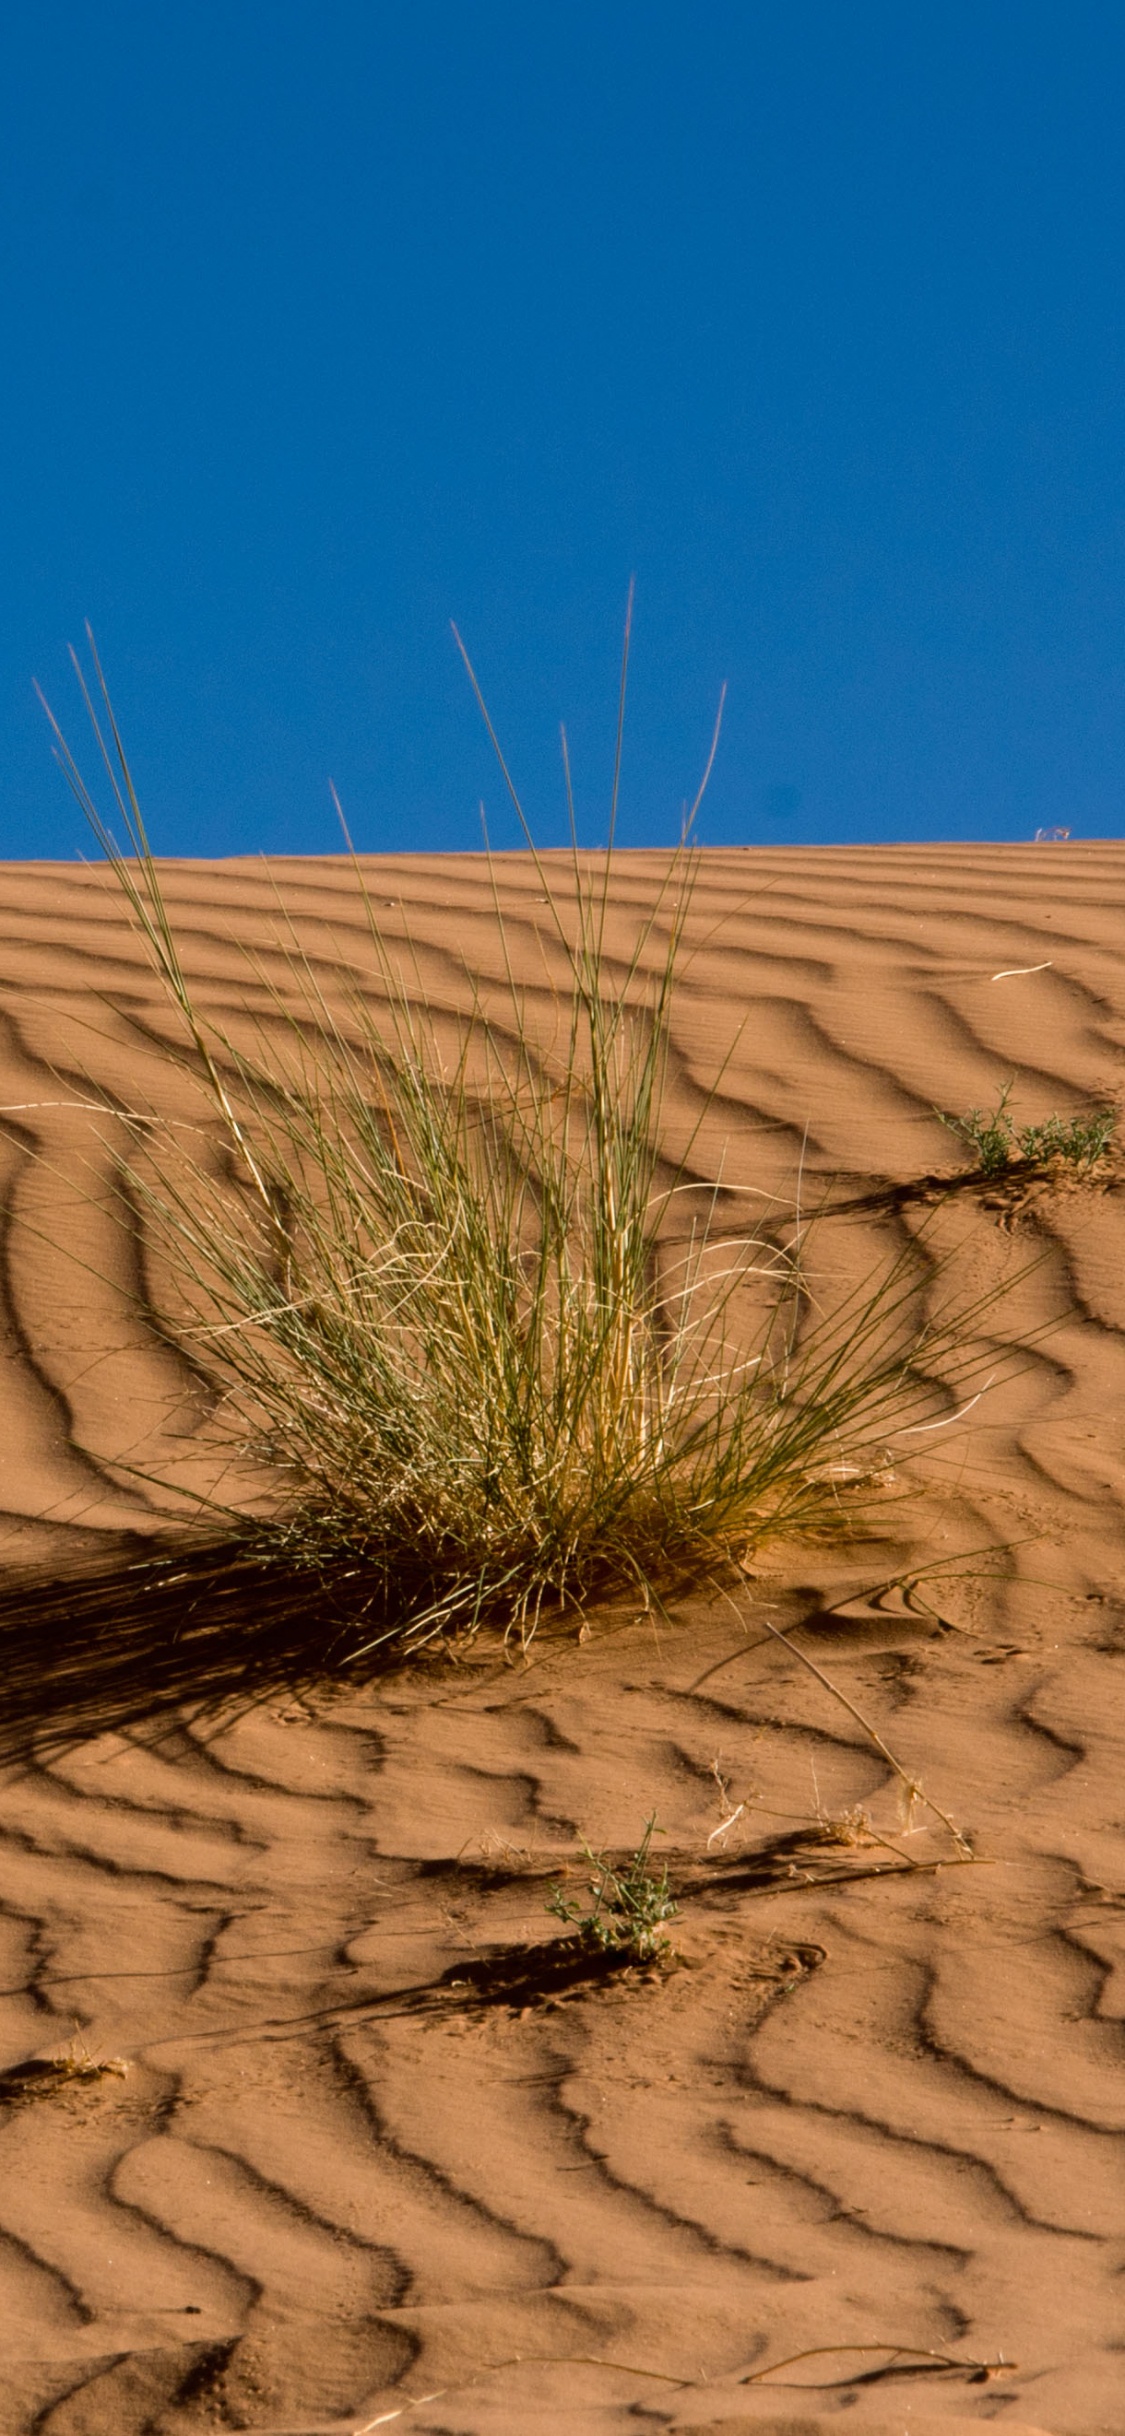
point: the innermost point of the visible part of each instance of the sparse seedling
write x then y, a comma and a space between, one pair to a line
990, 1135
849, 1827
628, 1905
1077, 1142
45, 2076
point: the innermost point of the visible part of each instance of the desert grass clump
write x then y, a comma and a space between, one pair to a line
497, 1348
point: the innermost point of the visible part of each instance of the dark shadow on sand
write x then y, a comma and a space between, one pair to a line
212, 1624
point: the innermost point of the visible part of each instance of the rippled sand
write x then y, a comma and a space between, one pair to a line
881, 2103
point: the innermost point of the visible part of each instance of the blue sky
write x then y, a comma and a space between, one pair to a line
325, 324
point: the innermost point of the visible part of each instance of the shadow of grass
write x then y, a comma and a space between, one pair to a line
212, 1624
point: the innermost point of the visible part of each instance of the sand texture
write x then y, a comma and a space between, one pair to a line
355, 2170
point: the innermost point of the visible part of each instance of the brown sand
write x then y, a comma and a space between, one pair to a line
879, 2104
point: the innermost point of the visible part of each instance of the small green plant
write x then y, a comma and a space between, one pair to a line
628, 1906
1078, 1141
990, 1134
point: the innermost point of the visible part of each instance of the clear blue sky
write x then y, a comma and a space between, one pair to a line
326, 323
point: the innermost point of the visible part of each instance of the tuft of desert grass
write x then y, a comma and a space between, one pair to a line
496, 1349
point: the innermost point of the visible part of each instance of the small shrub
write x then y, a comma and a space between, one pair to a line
990, 1135
628, 1907
1079, 1142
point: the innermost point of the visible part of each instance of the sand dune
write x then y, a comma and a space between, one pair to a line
354, 2175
